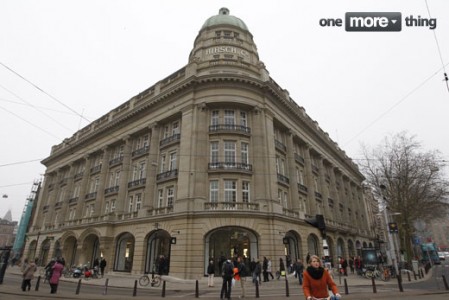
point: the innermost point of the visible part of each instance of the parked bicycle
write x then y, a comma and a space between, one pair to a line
145, 280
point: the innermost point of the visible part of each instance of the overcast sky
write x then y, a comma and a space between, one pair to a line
64, 63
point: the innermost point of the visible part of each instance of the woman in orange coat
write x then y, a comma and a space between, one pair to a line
317, 281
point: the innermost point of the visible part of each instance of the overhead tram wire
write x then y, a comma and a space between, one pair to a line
41, 90
35, 107
439, 50
394, 105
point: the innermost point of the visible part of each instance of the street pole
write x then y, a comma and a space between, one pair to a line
391, 242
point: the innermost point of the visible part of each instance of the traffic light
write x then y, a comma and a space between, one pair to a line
318, 222
393, 227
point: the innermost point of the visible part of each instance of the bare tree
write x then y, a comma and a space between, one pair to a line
414, 181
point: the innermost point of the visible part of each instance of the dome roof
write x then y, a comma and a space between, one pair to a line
223, 18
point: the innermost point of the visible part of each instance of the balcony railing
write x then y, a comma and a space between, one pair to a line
171, 139
78, 175
318, 195
95, 169
90, 196
315, 169
299, 158
73, 200
140, 151
279, 145
231, 206
283, 179
58, 204
302, 188
230, 166
112, 189
46, 207
138, 182
116, 161
229, 127
167, 175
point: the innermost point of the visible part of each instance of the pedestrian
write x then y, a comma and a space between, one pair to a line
269, 269
227, 274
281, 268
299, 269
28, 274
102, 266
240, 275
317, 281
265, 269
56, 273
210, 273
351, 264
344, 266
257, 271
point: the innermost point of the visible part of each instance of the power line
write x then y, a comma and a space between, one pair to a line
439, 50
26, 121
20, 162
394, 105
44, 92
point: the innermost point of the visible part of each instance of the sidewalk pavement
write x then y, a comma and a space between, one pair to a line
358, 286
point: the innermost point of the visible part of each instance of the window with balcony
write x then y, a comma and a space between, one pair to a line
170, 196
213, 191
245, 192
230, 191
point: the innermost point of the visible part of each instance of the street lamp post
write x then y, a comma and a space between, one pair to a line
390, 237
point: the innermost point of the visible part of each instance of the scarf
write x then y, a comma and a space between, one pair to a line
315, 273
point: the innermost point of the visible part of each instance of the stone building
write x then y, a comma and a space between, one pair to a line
8, 229
212, 161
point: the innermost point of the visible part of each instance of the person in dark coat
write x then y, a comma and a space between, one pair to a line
210, 273
102, 266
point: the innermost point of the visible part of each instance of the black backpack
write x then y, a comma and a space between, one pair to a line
228, 270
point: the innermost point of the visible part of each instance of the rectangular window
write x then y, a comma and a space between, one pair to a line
214, 152
94, 183
175, 128
285, 198
166, 132
76, 190
280, 165
229, 117
244, 153
142, 170
162, 163
230, 191
117, 178
170, 196
300, 176
130, 204
213, 191
112, 205
106, 207
215, 118
160, 198
91, 210
138, 198
72, 213
172, 161
229, 151
245, 191
243, 119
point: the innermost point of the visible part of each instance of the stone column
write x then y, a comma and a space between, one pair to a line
291, 163
311, 202
152, 168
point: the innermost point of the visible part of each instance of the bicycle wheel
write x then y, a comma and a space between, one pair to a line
144, 280
156, 281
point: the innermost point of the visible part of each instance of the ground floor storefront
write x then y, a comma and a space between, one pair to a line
186, 244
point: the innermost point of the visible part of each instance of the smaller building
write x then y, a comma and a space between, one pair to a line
8, 229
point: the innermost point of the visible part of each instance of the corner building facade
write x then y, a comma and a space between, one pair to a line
214, 160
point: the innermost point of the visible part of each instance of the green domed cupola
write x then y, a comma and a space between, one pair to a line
224, 18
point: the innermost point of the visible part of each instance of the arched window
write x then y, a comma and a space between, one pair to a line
124, 253
312, 245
